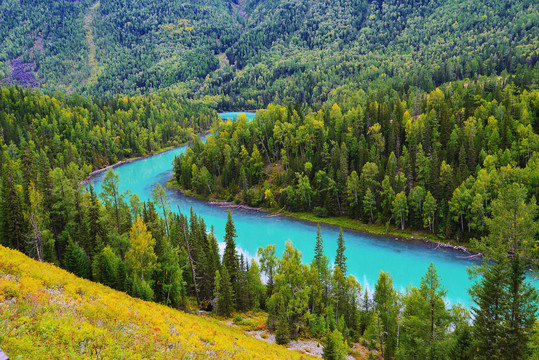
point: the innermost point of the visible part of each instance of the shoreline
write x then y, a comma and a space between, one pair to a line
345, 223
88, 177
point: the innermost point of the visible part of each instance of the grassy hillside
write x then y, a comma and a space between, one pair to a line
48, 313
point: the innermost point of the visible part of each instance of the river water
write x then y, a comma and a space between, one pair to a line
406, 260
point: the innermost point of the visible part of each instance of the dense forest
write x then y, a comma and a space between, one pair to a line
436, 160
56, 129
252, 53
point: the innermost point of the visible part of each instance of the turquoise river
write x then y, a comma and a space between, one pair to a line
406, 260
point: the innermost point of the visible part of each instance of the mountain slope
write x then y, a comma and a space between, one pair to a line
277, 50
47, 312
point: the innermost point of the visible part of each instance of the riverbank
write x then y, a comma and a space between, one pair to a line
344, 222
128, 160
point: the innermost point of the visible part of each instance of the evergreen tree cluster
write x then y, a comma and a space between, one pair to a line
436, 160
58, 129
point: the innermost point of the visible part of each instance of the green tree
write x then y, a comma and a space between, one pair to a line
388, 196
513, 221
340, 258
111, 195
400, 209
426, 321
159, 196
369, 204
255, 288
319, 247
522, 306
230, 256
489, 310
76, 260
385, 299
14, 226
335, 347
268, 265
105, 267
223, 292
291, 292
169, 284
429, 211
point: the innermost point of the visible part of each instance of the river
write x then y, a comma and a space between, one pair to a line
406, 260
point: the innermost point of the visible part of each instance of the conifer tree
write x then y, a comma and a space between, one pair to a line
105, 267
96, 230
489, 310
319, 247
282, 333
340, 259
230, 256
223, 292
12, 209
522, 306
169, 285
76, 260
334, 347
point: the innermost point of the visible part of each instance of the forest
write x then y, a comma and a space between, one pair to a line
144, 249
249, 55
417, 115
436, 161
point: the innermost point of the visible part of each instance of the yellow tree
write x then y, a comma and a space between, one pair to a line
140, 255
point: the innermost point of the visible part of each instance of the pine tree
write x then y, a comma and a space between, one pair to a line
340, 259
11, 209
282, 333
224, 294
522, 305
334, 347
489, 309
230, 256
76, 260
105, 267
319, 247
96, 231
169, 286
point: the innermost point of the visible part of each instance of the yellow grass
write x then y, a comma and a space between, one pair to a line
48, 313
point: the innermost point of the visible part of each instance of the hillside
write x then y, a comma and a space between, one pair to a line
49, 313
250, 53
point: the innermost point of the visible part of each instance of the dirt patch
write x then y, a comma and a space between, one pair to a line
311, 347
22, 74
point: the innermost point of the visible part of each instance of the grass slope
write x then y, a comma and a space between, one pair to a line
49, 313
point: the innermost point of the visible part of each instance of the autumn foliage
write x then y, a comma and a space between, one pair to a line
48, 313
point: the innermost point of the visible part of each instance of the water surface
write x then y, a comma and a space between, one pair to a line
406, 260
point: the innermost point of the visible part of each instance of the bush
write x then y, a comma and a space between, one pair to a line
238, 320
